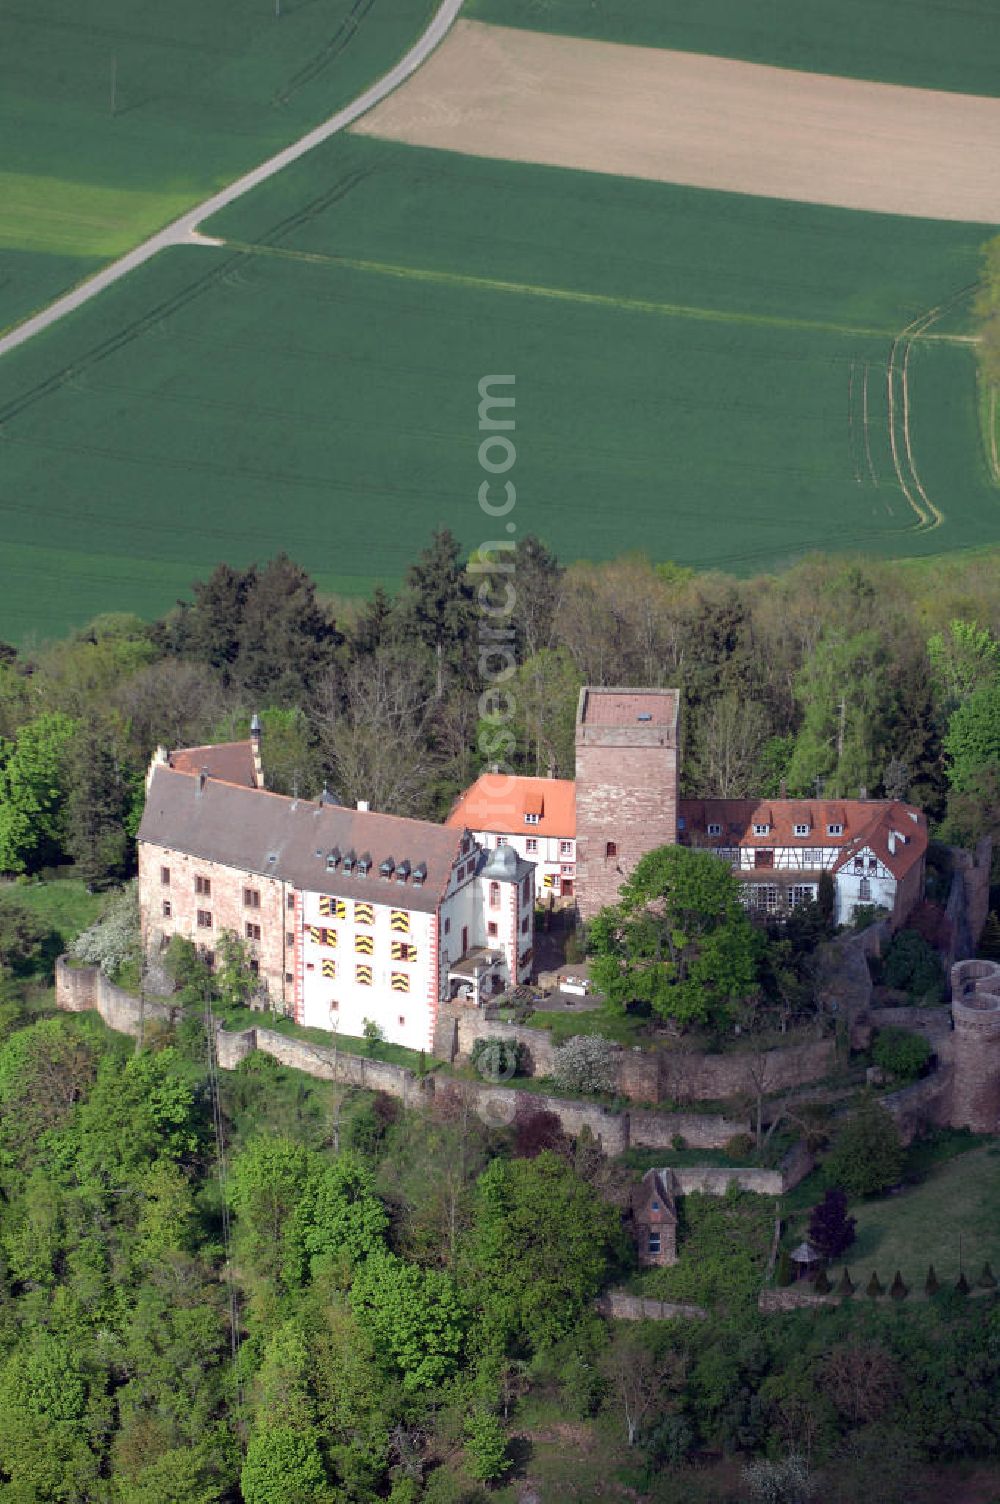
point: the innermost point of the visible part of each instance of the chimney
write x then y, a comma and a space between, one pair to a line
891, 843
363, 805
862, 793
783, 789
256, 733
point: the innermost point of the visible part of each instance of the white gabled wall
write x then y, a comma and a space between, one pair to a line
356, 1000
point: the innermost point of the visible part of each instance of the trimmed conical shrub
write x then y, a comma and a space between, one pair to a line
784, 1272
846, 1285
897, 1290
821, 1284
875, 1287
987, 1280
931, 1284
962, 1284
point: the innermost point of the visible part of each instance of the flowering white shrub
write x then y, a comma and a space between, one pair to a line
113, 941
587, 1062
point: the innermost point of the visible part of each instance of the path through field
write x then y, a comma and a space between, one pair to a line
707, 122
183, 231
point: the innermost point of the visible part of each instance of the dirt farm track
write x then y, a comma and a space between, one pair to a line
704, 122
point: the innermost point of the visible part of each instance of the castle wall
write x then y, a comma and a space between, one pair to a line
975, 1006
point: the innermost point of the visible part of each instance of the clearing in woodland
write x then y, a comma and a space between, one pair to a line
716, 379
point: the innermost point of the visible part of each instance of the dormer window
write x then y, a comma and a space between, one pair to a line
761, 830
402, 871
714, 828
387, 867
801, 829
349, 861
419, 874
364, 864
835, 829
531, 819
333, 859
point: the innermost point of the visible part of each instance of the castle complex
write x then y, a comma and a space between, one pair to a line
353, 917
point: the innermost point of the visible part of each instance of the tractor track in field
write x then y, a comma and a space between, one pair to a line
184, 231
928, 514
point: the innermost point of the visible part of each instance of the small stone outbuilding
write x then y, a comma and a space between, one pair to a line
654, 1217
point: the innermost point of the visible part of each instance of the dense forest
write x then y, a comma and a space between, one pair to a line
836, 676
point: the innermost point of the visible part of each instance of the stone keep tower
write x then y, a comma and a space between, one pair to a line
975, 1011
626, 786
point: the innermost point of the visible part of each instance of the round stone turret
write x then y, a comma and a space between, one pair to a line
975, 1011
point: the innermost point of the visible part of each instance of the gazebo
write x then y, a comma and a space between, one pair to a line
807, 1260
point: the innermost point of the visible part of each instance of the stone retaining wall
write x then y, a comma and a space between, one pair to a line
699, 1130
792, 1298
80, 989
927, 1103
624, 1307
712, 1180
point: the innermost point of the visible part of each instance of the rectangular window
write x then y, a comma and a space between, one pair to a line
363, 976
764, 856
290, 902
873, 864
764, 897
254, 966
328, 967
399, 921
835, 830
165, 876
208, 956
494, 895
447, 926
491, 929
714, 829
402, 1021
567, 869
364, 945
400, 981
320, 935
402, 951
859, 864
565, 848
253, 931
524, 925
166, 908
364, 913
290, 939
501, 840
654, 1242
801, 830
289, 977
203, 885
526, 891
610, 849
531, 819
332, 908
802, 893
531, 845
251, 898
864, 890
761, 830
204, 919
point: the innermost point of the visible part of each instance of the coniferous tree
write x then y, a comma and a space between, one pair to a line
875, 1287
931, 1284
846, 1285
898, 1290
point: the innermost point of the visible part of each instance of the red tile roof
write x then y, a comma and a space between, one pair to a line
230, 761
894, 832
499, 802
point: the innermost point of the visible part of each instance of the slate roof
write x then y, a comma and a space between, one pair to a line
499, 802
230, 761
270, 834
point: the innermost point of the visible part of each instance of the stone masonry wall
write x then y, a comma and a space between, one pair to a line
715, 1181
626, 795
699, 1130
82, 988
624, 1307
666, 1075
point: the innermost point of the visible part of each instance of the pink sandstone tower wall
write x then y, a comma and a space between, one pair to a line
626, 786
975, 1010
